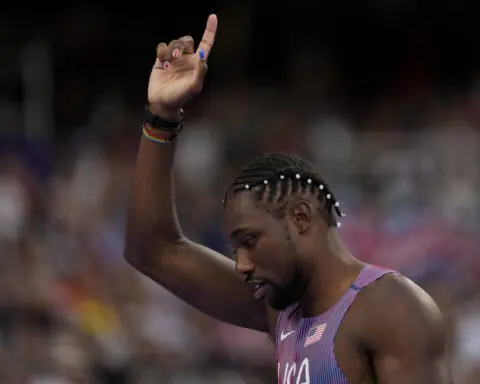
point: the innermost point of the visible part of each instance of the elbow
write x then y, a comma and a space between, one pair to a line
141, 250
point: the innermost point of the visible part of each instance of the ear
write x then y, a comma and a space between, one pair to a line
301, 214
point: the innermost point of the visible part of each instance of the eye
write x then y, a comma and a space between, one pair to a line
249, 241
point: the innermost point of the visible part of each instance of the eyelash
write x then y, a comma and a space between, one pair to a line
249, 241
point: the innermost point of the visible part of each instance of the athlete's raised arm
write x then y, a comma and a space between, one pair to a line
155, 244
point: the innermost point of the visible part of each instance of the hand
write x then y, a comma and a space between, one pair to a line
178, 73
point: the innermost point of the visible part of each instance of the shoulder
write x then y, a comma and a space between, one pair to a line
395, 310
399, 326
395, 291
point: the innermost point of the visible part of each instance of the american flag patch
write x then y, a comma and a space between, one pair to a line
315, 334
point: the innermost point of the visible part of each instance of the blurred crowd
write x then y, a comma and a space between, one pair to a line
404, 166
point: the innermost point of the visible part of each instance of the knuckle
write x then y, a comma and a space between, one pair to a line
187, 39
161, 51
173, 43
161, 48
179, 44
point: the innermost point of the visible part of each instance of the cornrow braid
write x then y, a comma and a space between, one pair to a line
274, 177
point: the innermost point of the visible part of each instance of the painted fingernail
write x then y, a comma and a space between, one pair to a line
166, 65
202, 54
176, 52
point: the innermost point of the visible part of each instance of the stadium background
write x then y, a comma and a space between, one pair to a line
384, 96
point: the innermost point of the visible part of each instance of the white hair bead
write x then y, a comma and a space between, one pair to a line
297, 176
282, 177
265, 181
309, 181
247, 186
328, 196
337, 204
342, 214
339, 225
320, 187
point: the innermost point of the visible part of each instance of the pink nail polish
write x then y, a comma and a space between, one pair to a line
166, 65
176, 52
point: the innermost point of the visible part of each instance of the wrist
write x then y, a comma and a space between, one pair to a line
162, 124
165, 112
157, 136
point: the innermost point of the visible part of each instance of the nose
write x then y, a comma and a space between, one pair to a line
243, 265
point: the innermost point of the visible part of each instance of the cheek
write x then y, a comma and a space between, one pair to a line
273, 262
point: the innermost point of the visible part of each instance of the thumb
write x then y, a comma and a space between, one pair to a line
200, 71
202, 66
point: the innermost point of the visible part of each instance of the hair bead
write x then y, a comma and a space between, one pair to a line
273, 170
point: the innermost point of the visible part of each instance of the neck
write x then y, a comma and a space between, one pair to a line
332, 272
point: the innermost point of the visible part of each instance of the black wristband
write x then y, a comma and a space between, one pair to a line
156, 122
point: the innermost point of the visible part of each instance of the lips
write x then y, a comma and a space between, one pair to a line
260, 291
259, 288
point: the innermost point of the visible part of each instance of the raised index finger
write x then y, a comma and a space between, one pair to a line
208, 36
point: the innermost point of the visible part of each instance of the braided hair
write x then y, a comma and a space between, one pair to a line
273, 177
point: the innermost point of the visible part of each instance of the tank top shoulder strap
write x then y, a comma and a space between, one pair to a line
367, 275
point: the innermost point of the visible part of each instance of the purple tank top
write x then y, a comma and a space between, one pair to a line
304, 346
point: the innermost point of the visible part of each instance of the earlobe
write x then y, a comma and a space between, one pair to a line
301, 214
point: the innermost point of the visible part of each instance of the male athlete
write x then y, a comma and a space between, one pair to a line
333, 318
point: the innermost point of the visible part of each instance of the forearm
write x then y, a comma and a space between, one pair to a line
177, 76
152, 217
